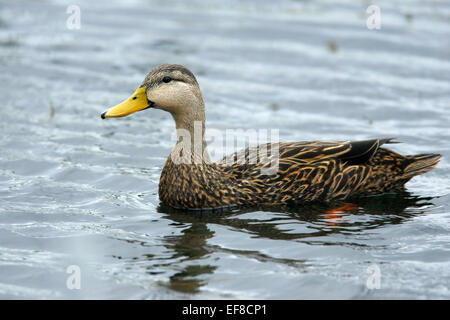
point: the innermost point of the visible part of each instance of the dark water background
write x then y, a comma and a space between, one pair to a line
76, 190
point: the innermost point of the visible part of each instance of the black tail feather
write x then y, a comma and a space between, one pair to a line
419, 164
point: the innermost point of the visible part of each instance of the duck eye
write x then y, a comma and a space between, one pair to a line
135, 97
167, 79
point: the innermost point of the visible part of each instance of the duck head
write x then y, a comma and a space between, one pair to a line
169, 87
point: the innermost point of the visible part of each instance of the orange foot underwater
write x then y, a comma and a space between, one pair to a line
335, 215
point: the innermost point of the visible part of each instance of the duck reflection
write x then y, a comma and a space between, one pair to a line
190, 246
322, 220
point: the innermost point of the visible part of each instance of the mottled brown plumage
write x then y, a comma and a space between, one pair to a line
306, 171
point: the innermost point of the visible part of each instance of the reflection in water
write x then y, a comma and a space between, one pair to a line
192, 246
323, 219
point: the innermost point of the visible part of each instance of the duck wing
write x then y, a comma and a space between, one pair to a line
244, 162
315, 170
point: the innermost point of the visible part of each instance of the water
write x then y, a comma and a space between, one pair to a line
78, 190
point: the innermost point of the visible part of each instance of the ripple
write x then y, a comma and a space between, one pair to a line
78, 190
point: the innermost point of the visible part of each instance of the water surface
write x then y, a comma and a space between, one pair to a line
76, 190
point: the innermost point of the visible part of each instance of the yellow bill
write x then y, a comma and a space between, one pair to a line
137, 102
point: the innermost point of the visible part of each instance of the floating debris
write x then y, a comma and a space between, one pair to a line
274, 106
52, 110
409, 17
332, 46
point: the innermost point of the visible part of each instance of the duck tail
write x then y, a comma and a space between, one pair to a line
419, 164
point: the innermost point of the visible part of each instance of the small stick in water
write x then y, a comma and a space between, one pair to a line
52, 110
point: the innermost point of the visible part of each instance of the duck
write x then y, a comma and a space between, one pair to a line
268, 174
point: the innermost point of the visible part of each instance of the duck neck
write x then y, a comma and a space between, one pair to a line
191, 144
